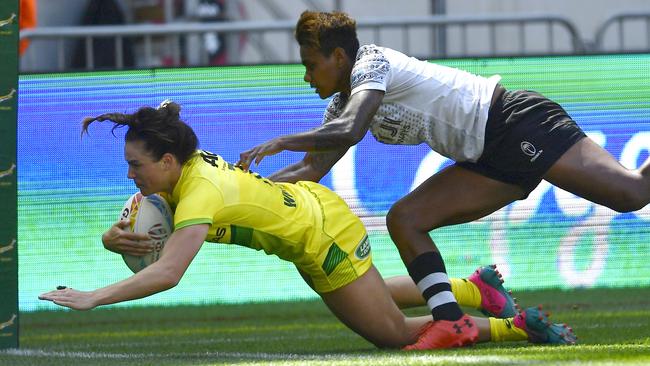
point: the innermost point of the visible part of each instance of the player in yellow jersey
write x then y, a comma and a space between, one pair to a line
304, 223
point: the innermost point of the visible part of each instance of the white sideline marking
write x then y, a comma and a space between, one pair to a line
332, 359
432, 359
41, 353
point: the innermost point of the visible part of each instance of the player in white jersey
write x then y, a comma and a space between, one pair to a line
423, 102
504, 143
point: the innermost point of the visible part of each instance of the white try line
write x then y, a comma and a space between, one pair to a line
332, 359
237, 355
329, 359
288, 359
41, 353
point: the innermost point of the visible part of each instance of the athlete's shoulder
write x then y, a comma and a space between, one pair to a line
371, 68
207, 157
202, 164
198, 178
371, 53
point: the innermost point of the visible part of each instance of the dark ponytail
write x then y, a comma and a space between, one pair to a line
160, 129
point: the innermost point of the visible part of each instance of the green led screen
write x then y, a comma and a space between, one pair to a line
70, 190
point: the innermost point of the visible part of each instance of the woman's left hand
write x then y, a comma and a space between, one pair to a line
73, 299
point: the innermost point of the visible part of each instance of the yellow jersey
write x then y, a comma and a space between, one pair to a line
246, 209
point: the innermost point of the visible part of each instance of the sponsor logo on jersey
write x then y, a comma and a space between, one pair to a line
288, 199
219, 234
363, 248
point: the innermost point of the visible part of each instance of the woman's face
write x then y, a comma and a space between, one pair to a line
149, 176
327, 74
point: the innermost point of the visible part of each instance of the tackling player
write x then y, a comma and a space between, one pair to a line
504, 142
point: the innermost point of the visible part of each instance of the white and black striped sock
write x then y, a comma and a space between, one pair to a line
428, 272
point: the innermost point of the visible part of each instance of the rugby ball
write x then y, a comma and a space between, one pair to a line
148, 215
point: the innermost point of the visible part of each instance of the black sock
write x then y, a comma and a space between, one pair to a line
428, 272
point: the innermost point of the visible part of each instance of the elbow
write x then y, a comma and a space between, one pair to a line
351, 138
169, 283
169, 279
313, 175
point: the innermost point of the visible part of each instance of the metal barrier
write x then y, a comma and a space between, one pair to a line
619, 22
518, 41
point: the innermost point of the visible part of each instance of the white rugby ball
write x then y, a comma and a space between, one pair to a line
148, 215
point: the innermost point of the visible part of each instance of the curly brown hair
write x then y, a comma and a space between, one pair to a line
327, 31
160, 129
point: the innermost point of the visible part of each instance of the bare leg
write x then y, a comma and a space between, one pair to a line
365, 306
404, 292
589, 171
452, 196
483, 325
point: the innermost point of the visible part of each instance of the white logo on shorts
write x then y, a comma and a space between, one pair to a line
530, 150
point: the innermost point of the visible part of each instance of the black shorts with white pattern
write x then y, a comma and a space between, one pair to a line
526, 134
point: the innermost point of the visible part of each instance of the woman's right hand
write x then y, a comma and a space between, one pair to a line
120, 240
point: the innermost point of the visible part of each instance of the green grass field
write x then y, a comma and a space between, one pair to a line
613, 327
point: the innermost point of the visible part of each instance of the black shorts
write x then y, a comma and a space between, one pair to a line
526, 133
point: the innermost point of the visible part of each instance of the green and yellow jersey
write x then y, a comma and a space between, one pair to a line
244, 208
304, 223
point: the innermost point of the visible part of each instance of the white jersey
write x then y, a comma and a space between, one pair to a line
445, 108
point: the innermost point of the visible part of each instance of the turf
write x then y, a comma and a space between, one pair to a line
613, 326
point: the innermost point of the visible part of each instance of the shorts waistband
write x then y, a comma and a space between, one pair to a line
499, 90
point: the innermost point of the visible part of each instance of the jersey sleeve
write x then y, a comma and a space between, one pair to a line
370, 70
198, 203
334, 108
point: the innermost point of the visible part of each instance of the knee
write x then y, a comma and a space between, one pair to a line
403, 220
397, 217
402, 217
629, 200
